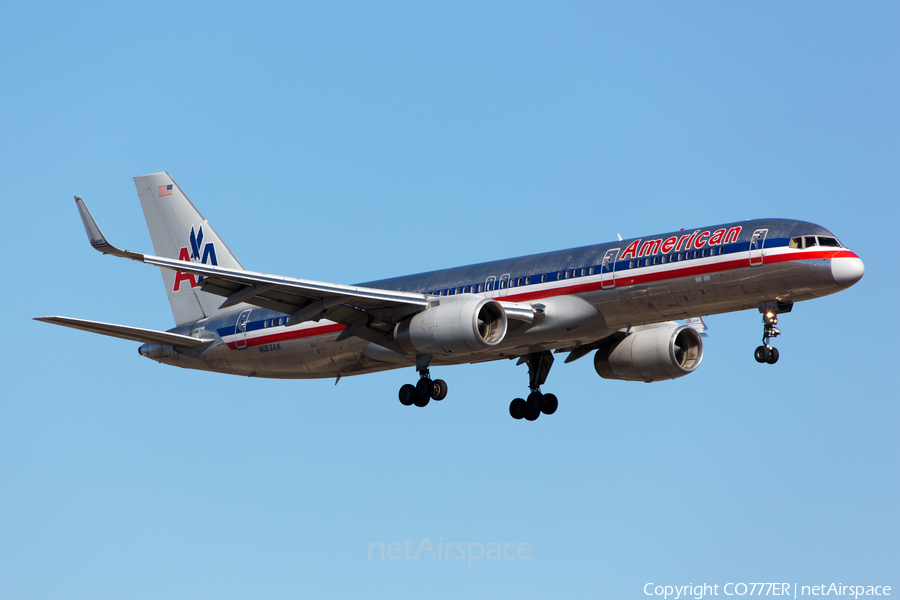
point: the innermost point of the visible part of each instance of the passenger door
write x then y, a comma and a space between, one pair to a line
757, 243
490, 285
504, 285
240, 330
608, 269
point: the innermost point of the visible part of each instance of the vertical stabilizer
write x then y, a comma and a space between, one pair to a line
178, 230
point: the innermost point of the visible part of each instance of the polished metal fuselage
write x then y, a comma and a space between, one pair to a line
586, 301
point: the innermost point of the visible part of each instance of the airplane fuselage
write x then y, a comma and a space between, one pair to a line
582, 295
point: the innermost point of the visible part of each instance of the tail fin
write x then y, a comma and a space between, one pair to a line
178, 230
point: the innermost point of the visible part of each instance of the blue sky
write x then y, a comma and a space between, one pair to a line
352, 142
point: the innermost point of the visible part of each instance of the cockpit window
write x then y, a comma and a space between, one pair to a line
829, 241
796, 243
809, 241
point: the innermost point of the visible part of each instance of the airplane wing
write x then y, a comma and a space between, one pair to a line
368, 313
135, 334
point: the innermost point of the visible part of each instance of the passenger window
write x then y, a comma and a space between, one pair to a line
502, 284
591, 271
663, 259
795, 243
809, 241
721, 250
519, 282
543, 278
705, 252
490, 287
528, 280
630, 264
480, 287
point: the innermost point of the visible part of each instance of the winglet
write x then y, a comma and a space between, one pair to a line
96, 237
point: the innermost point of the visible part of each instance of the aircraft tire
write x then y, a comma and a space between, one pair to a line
439, 390
761, 354
773, 356
551, 403
407, 394
532, 414
421, 400
535, 401
425, 387
517, 409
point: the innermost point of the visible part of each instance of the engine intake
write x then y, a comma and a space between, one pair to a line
651, 353
463, 326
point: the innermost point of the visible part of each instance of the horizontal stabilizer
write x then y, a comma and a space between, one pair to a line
135, 334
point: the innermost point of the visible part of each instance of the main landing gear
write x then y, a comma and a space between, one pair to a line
425, 389
767, 353
530, 409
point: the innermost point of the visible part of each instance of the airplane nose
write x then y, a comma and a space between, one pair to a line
847, 270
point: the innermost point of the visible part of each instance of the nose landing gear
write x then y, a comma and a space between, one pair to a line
767, 353
538, 368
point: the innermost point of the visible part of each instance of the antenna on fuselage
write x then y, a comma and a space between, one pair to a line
619, 235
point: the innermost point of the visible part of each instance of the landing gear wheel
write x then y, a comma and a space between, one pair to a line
762, 354
439, 390
531, 414
407, 394
517, 409
773, 356
421, 401
550, 404
535, 401
425, 387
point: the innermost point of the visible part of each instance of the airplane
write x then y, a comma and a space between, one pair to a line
619, 300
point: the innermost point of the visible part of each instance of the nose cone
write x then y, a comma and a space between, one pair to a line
847, 270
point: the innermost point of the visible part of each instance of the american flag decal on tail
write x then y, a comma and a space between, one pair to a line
165, 190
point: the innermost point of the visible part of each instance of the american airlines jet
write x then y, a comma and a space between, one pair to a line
618, 300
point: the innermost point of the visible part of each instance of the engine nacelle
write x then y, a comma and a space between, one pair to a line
457, 327
651, 353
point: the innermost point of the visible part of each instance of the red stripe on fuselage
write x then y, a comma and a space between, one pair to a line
567, 290
291, 335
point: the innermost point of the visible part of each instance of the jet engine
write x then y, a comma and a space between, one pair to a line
463, 326
651, 353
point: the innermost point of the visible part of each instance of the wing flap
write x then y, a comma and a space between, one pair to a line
125, 332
